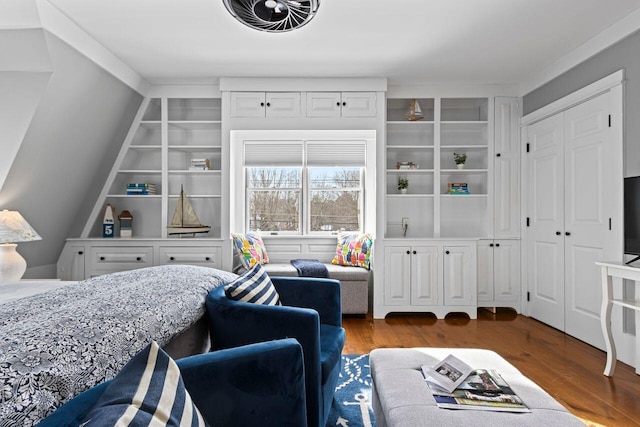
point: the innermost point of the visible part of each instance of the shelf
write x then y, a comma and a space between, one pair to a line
628, 303
463, 196
197, 196
410, 123
464, 170
151, 124
464, 122
470, 147
135, 196
410, 170
195, 147
194, 124
394, 196
190, 172
145, 147
141, 171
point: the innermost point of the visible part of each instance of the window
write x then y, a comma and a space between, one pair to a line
303, 182
335, 197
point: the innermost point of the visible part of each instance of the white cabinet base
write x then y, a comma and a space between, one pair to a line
380, 312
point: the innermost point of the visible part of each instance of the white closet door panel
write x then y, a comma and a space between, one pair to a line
546, 207
397, 276
586, 227
506, 255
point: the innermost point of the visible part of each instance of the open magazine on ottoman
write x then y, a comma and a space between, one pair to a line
481, 389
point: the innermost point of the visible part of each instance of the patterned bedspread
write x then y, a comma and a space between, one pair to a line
57, 344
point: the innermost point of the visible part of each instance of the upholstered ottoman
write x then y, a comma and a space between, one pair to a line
401, 397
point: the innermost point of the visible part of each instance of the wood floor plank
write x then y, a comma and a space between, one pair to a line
567, 368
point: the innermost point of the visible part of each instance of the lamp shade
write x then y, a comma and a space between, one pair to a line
14, 228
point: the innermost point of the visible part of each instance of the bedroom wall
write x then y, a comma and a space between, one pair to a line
67, 152
622, 55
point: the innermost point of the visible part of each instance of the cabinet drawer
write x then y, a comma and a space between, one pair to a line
205, 256
109, 259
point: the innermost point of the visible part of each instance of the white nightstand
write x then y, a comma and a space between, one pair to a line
10, 291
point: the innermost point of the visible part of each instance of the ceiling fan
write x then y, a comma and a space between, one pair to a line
274, 16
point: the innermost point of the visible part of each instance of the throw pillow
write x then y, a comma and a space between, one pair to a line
253, 286
250, 248
354, 250
148, 391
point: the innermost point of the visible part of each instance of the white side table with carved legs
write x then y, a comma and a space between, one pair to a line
609, 271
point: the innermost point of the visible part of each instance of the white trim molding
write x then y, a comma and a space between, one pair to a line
574, 98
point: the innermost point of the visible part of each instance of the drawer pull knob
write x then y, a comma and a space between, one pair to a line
172, 258
101, 258
138, 258
80, 253
207, 259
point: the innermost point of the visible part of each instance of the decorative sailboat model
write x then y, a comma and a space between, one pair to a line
185, 220
415, 112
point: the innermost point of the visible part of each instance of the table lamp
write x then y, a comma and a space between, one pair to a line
13, 229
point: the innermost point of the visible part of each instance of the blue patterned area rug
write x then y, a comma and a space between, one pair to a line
352, 402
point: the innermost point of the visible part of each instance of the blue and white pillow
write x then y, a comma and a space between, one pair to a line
253, 286
148, 391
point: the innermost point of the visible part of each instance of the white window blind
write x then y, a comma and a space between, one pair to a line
273, 153
336, 153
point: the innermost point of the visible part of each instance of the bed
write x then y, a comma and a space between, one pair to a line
56, 344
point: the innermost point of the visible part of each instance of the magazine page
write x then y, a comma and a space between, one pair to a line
481, 390
448, 373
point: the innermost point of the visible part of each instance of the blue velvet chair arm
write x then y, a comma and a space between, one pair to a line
322, 295
260, 384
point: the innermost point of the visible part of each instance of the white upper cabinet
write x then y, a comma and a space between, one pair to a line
265, 104
341, 104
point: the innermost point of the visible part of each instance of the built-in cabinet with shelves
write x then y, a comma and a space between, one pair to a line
341, 104
422, 151
435, 276
265, 104
166, 134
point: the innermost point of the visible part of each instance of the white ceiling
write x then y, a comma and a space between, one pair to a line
408, 41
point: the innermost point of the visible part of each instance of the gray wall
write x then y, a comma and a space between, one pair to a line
623, 55
68, 151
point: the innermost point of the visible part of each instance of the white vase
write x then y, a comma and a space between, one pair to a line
403, 191
460, 165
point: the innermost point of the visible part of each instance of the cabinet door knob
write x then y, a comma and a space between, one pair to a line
567, 234
344, 103
138, 258
172, 258
490, 245
338, 103
558, 233
80, 252
207, 258
408, 252
262, 104
268, 104
446, 252
497, 245
498, 155
101, 258
414, 252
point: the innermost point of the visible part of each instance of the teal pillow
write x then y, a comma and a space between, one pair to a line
149, 389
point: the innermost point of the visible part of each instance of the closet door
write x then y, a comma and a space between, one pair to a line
545, 263
586, 225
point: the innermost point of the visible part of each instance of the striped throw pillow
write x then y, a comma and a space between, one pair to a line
253, 286
148, 391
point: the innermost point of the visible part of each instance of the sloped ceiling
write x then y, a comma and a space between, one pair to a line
409, 41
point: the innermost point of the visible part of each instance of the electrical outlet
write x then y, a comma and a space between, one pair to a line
405, 222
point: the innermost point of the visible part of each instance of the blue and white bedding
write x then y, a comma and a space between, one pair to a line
57, 344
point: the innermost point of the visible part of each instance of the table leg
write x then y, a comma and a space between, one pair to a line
605, 320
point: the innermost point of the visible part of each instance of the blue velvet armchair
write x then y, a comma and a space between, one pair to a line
310, 312
254, 385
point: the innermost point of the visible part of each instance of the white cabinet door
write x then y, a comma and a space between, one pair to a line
282, 104
506, 271
506, 169
459, 275
324, 104
71, 263
485, 270
248, 104
358, 104
397, 275
424, 275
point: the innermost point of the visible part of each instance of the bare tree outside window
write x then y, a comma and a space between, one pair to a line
335, 199
274, 199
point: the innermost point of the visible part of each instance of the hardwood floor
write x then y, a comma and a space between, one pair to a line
568, 369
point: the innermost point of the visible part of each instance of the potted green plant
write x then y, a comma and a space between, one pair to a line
460, 159
403, 184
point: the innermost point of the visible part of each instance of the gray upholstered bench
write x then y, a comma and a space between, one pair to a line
401, 397
354, 283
